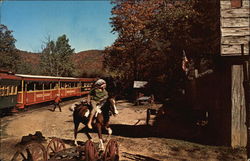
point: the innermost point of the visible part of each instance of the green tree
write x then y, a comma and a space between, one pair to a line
47, 58
56, 58
9, 57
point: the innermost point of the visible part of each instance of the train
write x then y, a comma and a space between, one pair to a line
18, 91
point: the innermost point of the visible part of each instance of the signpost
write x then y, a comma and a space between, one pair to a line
140, 84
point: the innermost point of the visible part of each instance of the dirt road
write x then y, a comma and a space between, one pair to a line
135, 143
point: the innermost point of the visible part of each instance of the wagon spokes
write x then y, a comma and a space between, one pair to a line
32, 151
112, 151
54, 146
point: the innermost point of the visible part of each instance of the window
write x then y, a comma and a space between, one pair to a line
12, 90
1, 90
236, 3
29, 86
46, 85
8, 91
15, 90
39, 85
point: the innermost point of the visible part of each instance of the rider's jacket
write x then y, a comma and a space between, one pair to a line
98, 94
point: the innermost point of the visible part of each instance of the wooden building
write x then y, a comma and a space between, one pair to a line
230, 103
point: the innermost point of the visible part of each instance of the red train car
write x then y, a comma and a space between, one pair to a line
34, 89
8, 89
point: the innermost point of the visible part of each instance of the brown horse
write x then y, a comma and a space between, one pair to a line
81, 113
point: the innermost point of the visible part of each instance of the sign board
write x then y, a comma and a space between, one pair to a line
140, 84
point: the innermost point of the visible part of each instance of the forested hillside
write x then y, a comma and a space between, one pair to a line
87, 63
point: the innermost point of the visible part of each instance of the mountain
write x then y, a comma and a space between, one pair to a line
89, 62
29, 58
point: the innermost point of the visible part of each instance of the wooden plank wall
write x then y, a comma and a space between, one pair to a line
235, 27
220, 113
238, 126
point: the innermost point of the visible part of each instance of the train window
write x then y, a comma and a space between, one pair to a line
39, 85
56, 86
25, 87
15, 90
11, 90
19, 88
47, 85
62, 85
8, 91
67, 85
30, 86
1, 90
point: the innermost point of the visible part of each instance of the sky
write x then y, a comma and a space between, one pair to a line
85, 23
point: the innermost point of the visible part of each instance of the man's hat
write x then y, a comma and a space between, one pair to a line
100, 82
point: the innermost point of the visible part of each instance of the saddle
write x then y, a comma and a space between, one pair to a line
98, 109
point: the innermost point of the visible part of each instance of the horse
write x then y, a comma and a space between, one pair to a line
80, 115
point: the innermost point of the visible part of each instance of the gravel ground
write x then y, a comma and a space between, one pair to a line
129, 129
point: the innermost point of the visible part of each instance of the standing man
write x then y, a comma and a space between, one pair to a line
96, 96
56, 103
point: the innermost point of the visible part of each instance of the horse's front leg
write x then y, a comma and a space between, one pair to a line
87, 132
75, 132
107, 127
99, 129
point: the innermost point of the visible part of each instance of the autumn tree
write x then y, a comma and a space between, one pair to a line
8, 53
152, 36
127, 53
143, 48
56, 57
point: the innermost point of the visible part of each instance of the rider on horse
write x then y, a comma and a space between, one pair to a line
96, 96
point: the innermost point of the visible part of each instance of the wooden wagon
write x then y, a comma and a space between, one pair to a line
56, 150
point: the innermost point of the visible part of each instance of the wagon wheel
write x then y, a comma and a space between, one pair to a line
32, 151
112, 151
54, 146
90, 151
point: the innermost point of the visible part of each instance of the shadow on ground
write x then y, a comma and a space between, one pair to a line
137, 157
144, 131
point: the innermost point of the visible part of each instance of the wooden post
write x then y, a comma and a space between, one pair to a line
148, 116
246, 85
